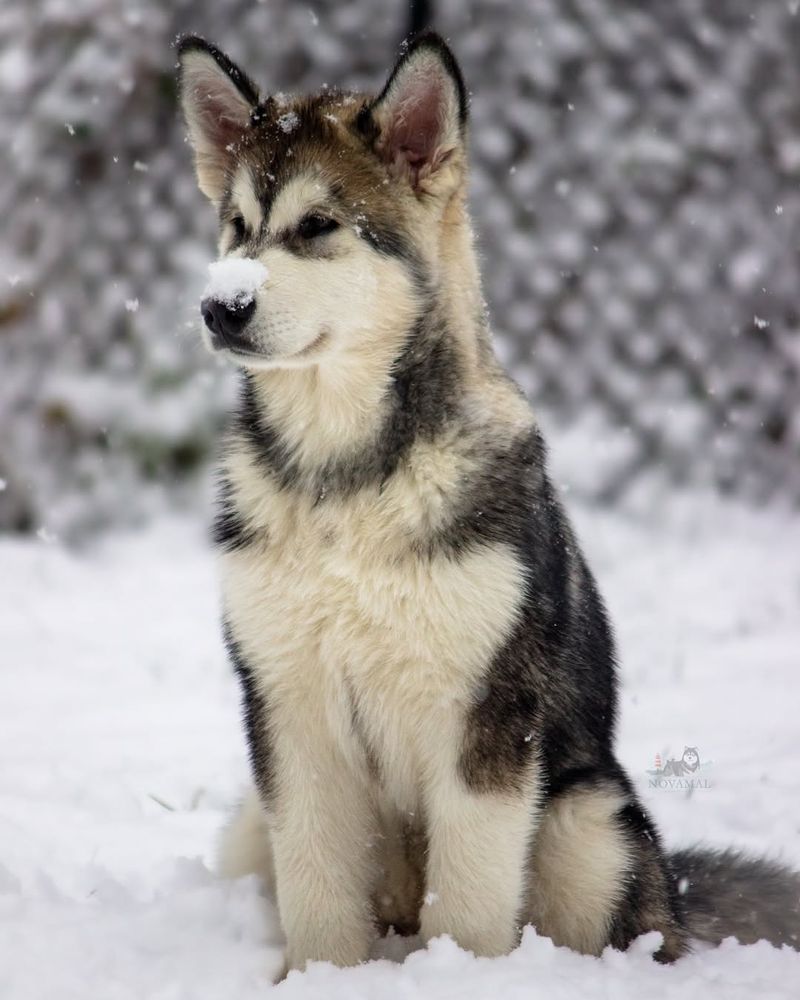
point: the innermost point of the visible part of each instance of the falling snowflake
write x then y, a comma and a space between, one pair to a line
288, 123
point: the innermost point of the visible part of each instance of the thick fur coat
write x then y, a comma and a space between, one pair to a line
427, 668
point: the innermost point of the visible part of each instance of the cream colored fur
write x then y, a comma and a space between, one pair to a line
244, 199
327, 621
335, 605
245, 847
571, 891
579, 867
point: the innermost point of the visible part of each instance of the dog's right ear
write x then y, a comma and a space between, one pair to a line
217, 99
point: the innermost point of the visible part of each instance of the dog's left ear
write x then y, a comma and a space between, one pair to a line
418, 121
217, 99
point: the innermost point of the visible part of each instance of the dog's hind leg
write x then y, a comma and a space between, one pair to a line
597, 872
401, 880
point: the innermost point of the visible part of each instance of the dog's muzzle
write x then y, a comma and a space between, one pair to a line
226, 321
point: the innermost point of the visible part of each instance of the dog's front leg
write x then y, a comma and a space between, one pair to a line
322, 835
478, 843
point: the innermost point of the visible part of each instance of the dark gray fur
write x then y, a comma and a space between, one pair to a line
727, 893
554, 677
229, 531
256, 717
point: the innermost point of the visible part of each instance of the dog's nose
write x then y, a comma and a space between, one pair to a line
226, 320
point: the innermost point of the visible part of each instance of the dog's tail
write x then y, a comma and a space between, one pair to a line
727, 894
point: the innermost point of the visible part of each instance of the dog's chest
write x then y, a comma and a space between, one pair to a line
331, 603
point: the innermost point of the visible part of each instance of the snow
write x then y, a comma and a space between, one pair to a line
235, 280
122, 754
288, 122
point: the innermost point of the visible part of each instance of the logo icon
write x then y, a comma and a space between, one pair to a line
681, 773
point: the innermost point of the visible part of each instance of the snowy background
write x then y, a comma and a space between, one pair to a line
636, 192
637, 198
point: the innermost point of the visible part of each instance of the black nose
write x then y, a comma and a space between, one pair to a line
226, 320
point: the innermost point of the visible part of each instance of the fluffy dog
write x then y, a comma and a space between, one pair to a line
427, 668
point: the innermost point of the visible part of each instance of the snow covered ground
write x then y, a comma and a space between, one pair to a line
120, 753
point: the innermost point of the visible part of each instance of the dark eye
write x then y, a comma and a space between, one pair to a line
239, 228
316, 225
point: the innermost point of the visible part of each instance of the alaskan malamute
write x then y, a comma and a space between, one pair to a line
427, 668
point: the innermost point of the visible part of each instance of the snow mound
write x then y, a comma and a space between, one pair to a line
196, 938
108, 826
235, 281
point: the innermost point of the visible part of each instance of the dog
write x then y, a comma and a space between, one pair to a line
688, 763
427, 669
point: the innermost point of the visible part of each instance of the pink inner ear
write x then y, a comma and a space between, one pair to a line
416, 121
221, 114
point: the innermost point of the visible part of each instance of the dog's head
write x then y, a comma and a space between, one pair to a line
341, 198
691, 758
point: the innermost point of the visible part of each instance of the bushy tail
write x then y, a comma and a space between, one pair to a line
726, 893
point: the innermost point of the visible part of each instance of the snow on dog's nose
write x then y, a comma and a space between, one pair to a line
229, 298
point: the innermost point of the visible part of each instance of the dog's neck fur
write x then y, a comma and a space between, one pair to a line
460, 284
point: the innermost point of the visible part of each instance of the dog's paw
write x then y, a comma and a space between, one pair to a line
282, 973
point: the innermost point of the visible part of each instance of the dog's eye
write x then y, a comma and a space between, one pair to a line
239, 228
316, 225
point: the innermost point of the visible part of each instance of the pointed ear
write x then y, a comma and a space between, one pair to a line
419, 119
217, 99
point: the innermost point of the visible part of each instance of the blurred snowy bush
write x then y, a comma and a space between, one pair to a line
636, 192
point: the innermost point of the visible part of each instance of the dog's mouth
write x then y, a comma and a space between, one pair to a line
239, 352
319, 341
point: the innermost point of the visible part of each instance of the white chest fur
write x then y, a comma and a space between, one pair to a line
333, 610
